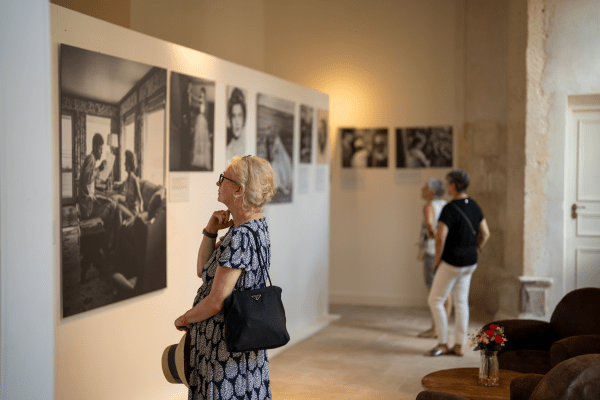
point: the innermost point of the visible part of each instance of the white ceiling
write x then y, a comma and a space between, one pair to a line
98, 76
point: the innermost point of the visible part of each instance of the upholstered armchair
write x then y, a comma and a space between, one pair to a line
536, 346
577, 378
141, 249
435, 395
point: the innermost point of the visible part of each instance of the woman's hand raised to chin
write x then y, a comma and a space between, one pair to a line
219, 220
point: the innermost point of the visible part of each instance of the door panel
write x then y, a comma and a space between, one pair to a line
588, 224
586, 276
588, 184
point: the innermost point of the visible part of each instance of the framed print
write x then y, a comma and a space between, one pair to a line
275, 142
306, 130
322, 136
429, 147
364, 148
236, 122
113, 196
192, 123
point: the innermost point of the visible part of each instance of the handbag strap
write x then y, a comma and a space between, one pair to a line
468, 222
261, 263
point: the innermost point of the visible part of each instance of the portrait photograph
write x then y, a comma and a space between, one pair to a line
113, 196
429, 147
322, 136
364, 148
236, 122
275, 142
192, 123
306, 129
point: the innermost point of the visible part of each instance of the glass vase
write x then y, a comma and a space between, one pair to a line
489, 370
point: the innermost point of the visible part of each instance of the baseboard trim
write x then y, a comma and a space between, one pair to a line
366, 299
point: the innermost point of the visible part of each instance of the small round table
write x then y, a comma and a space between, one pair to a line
463, 382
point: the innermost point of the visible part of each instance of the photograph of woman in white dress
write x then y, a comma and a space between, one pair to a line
192, 123
275, 142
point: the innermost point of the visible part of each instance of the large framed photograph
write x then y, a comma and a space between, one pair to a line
113, 196
192, 123
322, 136
306, 129
236, 122
275, 142
429, 147
364, 148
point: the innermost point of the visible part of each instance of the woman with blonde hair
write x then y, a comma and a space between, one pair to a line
224, 266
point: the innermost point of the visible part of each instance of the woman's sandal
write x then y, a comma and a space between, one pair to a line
456, 351
437, 351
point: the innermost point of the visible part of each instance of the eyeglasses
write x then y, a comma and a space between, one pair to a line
222, 176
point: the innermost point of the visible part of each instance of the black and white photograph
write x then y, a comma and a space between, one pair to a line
322, 136
275, 142
364, 148
306, 129
113, 196
192, 123
236, 122
429, 147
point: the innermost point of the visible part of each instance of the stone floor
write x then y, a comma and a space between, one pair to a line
369, 353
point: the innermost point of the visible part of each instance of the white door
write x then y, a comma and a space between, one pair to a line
582, 208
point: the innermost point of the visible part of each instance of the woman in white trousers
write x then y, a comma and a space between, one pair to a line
462, 229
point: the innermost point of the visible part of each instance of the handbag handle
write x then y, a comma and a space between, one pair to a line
261, 263
468, 222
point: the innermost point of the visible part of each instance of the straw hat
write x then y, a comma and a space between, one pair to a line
176, 361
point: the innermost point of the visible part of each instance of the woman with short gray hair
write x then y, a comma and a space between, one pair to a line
432, 193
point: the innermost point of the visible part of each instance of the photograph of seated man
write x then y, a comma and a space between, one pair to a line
95, 203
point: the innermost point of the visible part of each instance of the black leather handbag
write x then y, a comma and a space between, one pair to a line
255, 319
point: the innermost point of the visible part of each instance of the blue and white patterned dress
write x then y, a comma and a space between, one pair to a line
215, 372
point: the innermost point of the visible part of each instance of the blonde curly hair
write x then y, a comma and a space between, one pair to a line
256, 176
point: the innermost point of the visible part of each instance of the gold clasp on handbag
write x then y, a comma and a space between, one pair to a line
256, 296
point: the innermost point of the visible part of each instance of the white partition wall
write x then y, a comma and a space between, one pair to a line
26, 234
114, 351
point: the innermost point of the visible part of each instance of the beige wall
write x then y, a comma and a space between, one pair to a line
390, 65
232, 30
483, 144
116, 12
492, 147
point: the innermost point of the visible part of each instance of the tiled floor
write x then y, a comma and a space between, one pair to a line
369, 353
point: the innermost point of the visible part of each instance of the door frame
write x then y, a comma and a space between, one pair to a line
575, 104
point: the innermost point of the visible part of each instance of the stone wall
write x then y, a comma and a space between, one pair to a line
483, 143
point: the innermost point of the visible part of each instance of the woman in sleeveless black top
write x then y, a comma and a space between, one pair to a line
462, 229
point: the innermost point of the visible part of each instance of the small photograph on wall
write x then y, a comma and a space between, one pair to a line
192, 123
275, 142
364, 148
236, 123
424, 147
306, 128
322, 136
113, 196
